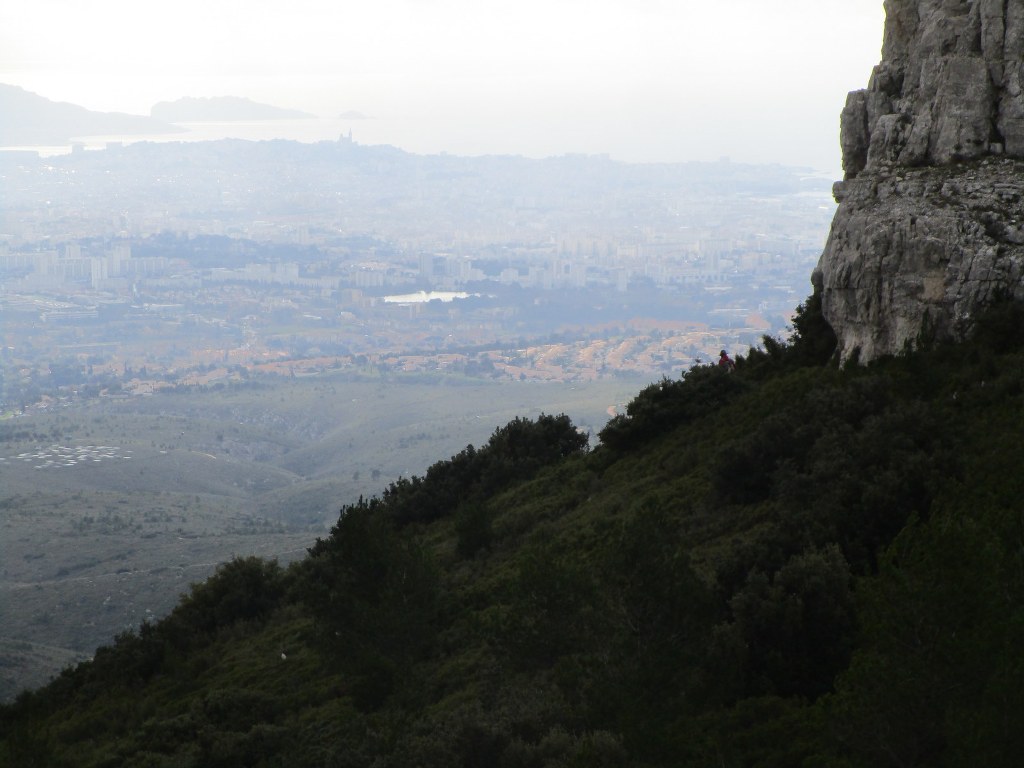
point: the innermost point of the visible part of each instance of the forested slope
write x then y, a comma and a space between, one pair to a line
791, 564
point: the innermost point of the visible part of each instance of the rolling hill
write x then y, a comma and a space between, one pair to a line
791, 564
110, 510
32, 120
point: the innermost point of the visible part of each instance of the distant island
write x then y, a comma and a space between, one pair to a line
33, 120
221, 109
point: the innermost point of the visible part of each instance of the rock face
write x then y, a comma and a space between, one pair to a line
930, 224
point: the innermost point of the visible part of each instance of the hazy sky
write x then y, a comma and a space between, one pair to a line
642, 80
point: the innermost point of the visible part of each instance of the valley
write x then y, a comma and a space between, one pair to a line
109, 510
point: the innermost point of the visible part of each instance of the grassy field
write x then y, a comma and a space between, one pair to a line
108, 512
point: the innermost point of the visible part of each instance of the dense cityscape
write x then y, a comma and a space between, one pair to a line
146, 266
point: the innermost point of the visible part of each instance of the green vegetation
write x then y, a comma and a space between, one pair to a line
108, 512
788, 565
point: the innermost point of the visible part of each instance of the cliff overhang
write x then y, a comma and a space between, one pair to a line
930, 224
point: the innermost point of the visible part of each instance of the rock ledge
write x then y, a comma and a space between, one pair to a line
930, 224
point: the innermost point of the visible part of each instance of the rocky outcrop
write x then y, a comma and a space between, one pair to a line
930, 225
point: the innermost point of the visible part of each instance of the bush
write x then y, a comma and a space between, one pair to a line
514, 452
667, 405
813, 341
473, 529
374, 597
244, 589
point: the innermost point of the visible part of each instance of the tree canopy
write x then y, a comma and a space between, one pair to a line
790, 564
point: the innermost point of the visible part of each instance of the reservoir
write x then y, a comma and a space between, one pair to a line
422, 297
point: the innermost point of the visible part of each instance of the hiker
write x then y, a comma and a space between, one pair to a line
725, 362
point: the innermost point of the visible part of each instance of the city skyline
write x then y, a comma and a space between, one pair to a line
642, 82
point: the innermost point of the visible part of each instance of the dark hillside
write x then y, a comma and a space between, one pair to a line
792, 564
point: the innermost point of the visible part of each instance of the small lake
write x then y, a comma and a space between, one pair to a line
422, 297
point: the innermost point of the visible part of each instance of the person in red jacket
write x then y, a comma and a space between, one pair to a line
725, 362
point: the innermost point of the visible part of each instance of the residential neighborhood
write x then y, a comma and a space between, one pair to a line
146, 266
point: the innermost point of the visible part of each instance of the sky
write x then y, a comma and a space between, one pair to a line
641, 80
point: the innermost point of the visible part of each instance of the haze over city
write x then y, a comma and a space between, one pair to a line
640, 81
500, 211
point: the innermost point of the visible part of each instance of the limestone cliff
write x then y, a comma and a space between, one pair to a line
930, 224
